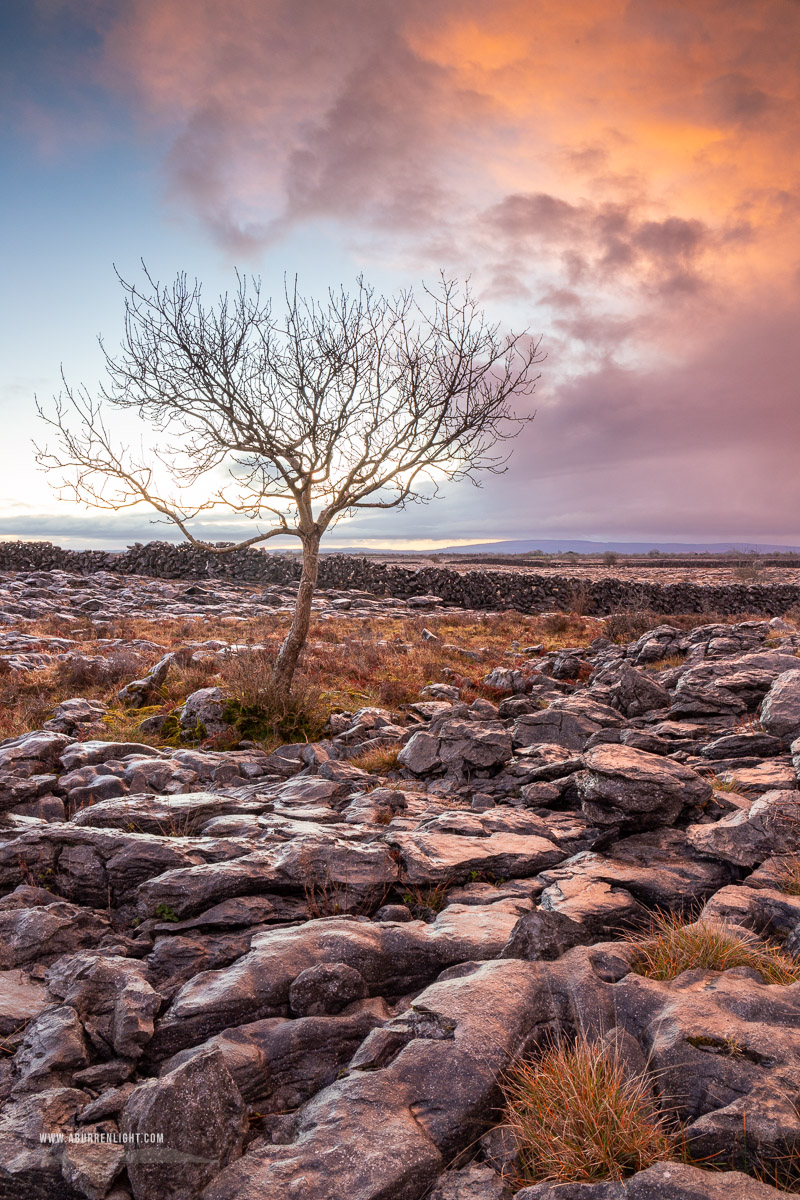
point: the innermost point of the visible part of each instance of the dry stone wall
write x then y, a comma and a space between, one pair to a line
480, 589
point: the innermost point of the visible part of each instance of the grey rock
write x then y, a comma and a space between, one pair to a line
474, 743
441, 691
780, 711
475, 1182
505, 680
664, 1181
90, 1166
625, 785
30, 1166
420, 753
767, 911
393, 912
108, 1103
771, 825
636, 692
91, 753
567, 664
639, 739
325, 988
741, 745
200, 1113
76, 715
328, 870
606, 893
774, 775
429, 858
136, 693
113, 997
30, 935
53, 1043
571, 730
544, 935
202, 713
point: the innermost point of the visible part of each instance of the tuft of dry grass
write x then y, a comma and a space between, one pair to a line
579, 1117
722, 783
674, 944
629, 625
666, 663
421, 898
379, 759
749, 723
787, 874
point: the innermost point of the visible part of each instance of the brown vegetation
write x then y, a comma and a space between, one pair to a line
675, 944
347, 663
579, 1117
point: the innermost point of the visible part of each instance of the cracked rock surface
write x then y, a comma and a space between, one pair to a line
241, 975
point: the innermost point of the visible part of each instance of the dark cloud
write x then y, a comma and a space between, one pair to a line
735, 99
605, 239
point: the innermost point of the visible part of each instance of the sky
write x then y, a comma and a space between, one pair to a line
619, 178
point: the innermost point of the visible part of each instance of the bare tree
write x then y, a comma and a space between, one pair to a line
360, 402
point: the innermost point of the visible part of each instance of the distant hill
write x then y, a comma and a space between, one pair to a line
565, 545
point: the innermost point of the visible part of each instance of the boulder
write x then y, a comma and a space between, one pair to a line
199, 1113
30, 1163
777, 774
53, 1044
325, 988
136, 693
329, 871
91, 1165
780, 710
556, 726
636, 692
505, 679
38, 934
436, 857
621, 785
201, 715
77, 715
113, 997
771, 825
473, 744
605, 893
544, 935
743, 745
420, 753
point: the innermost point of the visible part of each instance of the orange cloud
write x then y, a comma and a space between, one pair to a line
626, 170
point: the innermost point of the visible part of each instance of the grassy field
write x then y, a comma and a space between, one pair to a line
347, 663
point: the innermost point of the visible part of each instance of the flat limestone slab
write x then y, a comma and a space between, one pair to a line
21, 999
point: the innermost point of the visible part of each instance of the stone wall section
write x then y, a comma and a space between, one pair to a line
480, 589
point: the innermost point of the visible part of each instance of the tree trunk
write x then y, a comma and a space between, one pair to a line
289, 653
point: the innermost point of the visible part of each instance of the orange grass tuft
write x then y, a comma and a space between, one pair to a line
674, 945
578, 1117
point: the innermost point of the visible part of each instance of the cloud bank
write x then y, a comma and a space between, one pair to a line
624, 176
